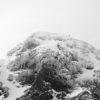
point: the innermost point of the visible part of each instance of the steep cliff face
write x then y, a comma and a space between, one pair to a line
53, 66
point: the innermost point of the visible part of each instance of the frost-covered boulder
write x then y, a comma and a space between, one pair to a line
53, 66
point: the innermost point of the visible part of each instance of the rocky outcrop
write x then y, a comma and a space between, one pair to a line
53, 66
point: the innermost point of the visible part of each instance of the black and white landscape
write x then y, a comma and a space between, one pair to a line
49, 66
49, 49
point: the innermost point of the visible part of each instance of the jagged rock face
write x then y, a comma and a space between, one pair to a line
52, 65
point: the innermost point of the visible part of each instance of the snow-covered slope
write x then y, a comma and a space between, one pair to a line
71, 61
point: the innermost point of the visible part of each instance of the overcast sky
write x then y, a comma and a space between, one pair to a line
20, 18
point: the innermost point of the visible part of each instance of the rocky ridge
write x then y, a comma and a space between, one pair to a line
53, 66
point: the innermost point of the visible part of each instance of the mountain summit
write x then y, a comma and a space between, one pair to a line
53, 67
